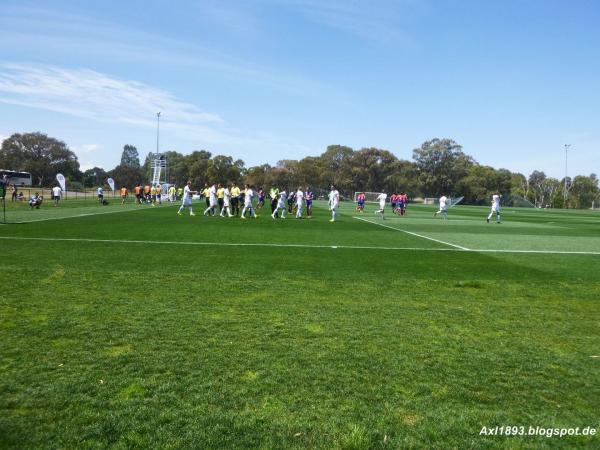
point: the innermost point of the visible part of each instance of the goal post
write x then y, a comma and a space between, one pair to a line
453, 201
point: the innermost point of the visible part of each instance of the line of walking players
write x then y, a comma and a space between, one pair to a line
233, 196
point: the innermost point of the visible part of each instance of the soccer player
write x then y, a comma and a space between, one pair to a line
308, 196
394, 201
241, 196
56, 192
360, 202
443, 207
495, 208
206, 194
235, 201
299, 203
138, 193
147, 193
281, 202
334, 202
100, 193
36, 201
179, 193
158, 194
291, 201
261, 199
212, 201
249, 194
187, 198
220, 196
153, 195
171, 193
382, 199
274, 196
124, 195
403, 200
226, 202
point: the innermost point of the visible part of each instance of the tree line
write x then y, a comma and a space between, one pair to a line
438, 166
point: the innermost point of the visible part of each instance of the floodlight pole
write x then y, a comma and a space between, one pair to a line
157, 131
567, 146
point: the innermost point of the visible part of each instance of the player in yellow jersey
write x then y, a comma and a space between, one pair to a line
220, 196
157, 198
235, 199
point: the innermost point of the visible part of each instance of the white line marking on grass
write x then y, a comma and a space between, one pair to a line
331, 247
219, 244
414, 234
87, 214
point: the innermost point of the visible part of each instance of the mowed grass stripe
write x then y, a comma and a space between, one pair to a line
163, 224
308, 246
439, 241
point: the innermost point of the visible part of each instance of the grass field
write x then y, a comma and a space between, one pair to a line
132, 327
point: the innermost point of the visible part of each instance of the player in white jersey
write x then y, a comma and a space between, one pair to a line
443, 207
226, 202
334, 202
281, 205
299, 203
495, 208
381, 198
212, 201
187, 198
56, 192
248, 202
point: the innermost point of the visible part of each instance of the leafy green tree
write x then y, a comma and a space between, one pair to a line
336, 168
223, 169
261, 176
128, 176
538, 189
403, 178
39, 154
441, 164
482, 182
552, 189
130, 157
584, 191
95, 177
197, 163
519, 185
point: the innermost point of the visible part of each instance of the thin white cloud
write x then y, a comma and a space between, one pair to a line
47, 32
380, 20
89, 94
86, 155
95, 96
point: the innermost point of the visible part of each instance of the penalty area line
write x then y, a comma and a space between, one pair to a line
414, 234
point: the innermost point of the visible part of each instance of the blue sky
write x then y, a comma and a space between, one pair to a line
265, 80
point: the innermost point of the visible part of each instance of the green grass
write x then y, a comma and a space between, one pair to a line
361, 336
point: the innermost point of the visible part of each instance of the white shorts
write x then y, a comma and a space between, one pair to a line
381, 205
226, 203
281, 205
187, 202
213, 202
247, 205
333, 206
